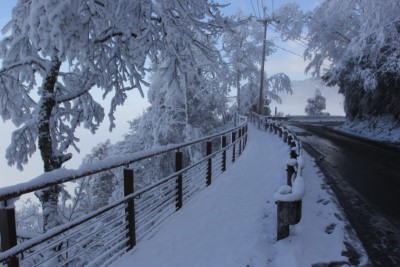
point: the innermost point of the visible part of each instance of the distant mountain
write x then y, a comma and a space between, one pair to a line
302, 90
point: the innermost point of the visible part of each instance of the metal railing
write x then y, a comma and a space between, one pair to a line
100, 237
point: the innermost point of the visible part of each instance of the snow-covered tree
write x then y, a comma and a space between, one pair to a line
187, 101
273, 86
91, 192
360, 40
316, 104
243, 51
243, 48
55, 54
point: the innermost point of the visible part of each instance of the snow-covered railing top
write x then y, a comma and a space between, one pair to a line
64, 175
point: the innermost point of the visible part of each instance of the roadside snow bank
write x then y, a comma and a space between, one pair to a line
376, 128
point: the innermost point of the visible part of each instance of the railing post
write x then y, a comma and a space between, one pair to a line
243, 137
240, 141
223, 144
234, 146
289, 139
179, 182
129, 188
209, 167
247, 130
8, 232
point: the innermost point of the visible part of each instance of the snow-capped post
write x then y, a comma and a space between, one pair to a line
289, 206
129, 187
8, 232
293, 153
179, 181
275, 129
280, 132
209, 163
289, 140
291, 170
285, 136
223, 145
233, 146
293, 144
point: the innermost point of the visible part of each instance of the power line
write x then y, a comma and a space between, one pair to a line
287, 50
296, 54
302, 44
302, 39
258, 7
254, 10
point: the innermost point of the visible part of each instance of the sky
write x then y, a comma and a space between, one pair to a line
281, 61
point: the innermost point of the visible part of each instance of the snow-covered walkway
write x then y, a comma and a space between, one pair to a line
233, 222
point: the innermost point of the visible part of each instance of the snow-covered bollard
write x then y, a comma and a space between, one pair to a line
291, 169
266, 125
300, 165
289, 139
289, 203
285, 136
280, 132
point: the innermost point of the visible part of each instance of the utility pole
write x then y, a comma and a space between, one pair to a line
265, 22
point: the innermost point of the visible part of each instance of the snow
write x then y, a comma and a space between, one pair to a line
233, 222
378, 128
290, 194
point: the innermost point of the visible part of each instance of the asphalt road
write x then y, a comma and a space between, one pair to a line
365, 176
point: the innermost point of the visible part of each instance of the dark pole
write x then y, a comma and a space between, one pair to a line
209, 167
223, 141
8, 232
179, 181
234, 146
260, 99
130, 209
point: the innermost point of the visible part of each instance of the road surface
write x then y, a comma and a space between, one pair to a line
365, 176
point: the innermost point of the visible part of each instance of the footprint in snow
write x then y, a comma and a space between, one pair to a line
330, 228
324, 201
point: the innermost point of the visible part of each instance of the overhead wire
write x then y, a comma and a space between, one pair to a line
254, 10
301, 42
258, 8
287, 50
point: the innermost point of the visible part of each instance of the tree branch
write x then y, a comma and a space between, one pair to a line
27, 61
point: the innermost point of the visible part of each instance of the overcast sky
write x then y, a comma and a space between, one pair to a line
281, 61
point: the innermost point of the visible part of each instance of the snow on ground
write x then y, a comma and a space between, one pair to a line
379, 128
233, 222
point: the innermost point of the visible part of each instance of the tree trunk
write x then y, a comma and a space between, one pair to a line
49, 196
